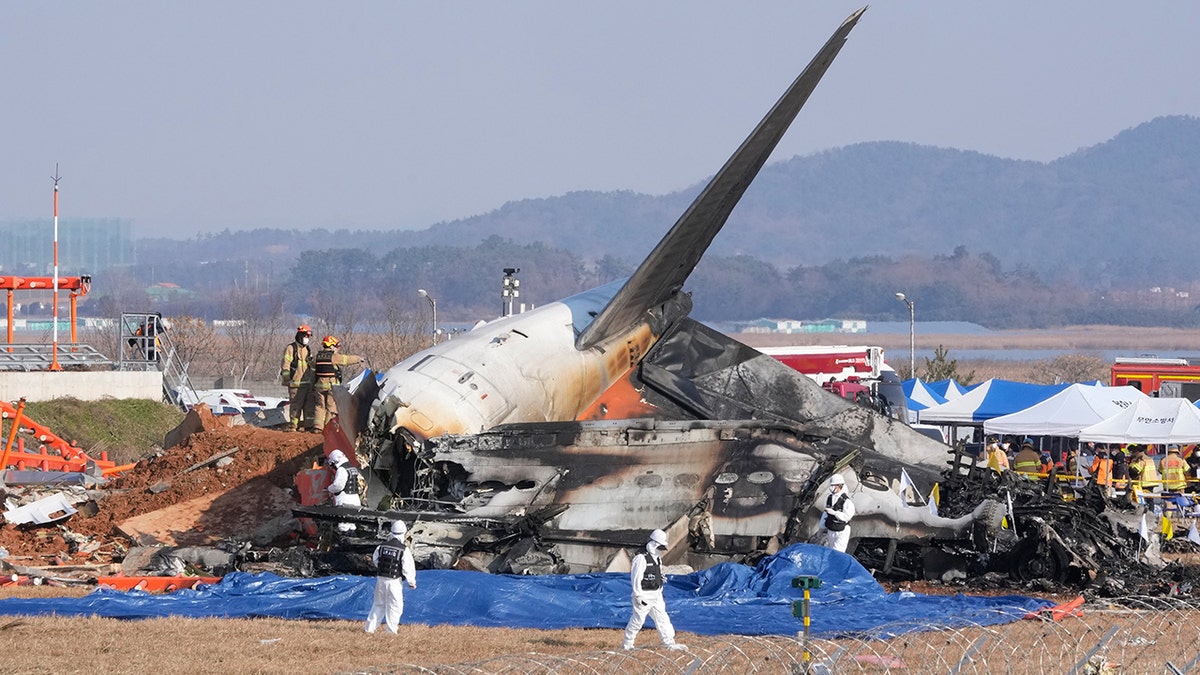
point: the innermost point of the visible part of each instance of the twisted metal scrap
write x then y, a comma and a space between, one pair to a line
1128, 635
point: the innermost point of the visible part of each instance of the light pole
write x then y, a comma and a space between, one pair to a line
510, 290
912, 335
433, 304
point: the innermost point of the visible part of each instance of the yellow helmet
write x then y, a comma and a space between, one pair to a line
330, 341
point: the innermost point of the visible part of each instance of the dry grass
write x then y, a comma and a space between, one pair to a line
1073, 338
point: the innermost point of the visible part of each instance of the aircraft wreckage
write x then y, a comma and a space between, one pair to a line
551, 441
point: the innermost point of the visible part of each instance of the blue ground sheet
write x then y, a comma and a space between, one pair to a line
726, 599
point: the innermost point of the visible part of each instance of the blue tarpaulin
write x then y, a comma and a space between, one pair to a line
726, 599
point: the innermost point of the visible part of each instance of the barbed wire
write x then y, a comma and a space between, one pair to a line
1139, 634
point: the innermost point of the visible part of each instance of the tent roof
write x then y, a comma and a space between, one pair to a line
1150, 420
991, 399
1067, 412
919, 395
948, 389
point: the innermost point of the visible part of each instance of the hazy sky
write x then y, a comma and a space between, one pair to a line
193, 117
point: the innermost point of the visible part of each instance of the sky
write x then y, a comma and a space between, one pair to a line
189, 118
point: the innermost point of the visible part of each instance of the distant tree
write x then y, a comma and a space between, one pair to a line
1070, 368
942, 367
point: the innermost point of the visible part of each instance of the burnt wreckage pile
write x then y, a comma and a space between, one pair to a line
1028, 532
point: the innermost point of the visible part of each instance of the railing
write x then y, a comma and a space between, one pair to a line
37, 357
144, 343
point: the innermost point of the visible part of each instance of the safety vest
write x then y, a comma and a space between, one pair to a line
1174, 472
391, 558
323, 365
833, 523
652, 577
1102, 470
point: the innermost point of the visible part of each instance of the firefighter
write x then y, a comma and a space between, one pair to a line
1027, 460
326, 372
1174, 470
839, 510
1143, 474
646, 577
292, 374
394, 560
347, 487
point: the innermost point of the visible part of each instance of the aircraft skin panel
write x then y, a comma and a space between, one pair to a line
663, 273
522, 368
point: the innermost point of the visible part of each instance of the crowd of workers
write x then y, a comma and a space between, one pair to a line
1131, 470
310, 378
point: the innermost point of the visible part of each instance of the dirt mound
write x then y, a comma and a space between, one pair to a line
275, 456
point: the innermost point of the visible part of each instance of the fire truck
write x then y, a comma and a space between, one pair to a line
857, 373
1158, 376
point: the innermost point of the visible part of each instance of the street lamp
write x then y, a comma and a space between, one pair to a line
912, 335
433, 304
510, 290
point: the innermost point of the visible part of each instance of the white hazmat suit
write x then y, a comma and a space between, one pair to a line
337, 489
395, 563
839, 510
647, 578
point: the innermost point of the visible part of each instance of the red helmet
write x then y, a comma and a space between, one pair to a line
330, 341
304, 328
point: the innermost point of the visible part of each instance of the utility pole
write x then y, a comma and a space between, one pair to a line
912, 335
510, 290
54, 314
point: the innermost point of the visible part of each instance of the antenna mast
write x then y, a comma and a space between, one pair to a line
54, 348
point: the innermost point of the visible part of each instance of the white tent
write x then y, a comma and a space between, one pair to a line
1150, 420
1067, 412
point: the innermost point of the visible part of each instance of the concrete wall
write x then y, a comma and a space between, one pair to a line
85, 386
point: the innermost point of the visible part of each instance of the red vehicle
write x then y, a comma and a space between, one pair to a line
852, 372
825, 364
1155, 376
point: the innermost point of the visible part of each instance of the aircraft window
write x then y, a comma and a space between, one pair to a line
608, 482
687, 479
761, 477
526, 485
649, 480
726, 478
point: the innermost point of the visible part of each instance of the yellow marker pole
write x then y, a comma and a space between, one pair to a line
801, 608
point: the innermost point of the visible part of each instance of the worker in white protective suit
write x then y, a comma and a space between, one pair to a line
839, 510
646, 577
394, 560
347, 486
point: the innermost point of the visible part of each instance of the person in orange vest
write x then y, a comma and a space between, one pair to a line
1174, 470
1027, 460
1047, 463
1101, 470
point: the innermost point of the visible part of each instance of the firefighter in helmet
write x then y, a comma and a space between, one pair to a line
292, 374
326, 372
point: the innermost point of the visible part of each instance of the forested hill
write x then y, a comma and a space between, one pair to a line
1107, 234
1124, 211
1128, 209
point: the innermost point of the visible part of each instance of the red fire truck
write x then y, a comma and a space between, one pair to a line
852, 372
1157, 376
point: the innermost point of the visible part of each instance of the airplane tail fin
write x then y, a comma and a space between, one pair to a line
663, 273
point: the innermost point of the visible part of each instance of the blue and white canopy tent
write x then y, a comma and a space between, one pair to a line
1067, 412
990, 399
920, 396
948, 389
